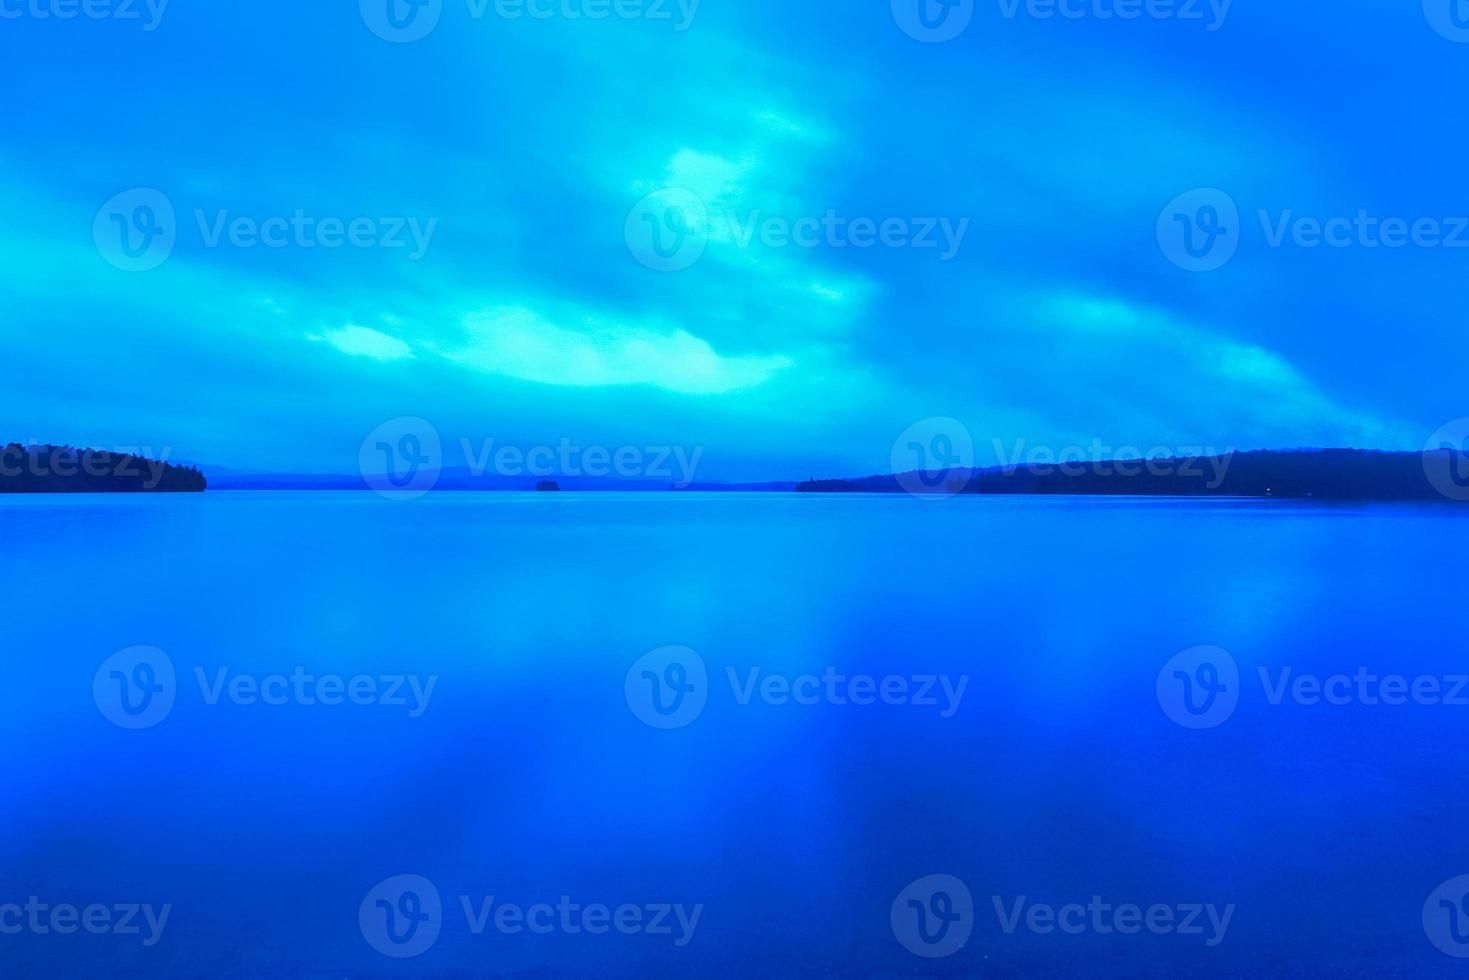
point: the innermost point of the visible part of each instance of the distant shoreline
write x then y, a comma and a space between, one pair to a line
1314, 474
1344, 475
1326, 474
65, 469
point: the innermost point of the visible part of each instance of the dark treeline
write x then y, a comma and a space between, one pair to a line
63, 469
1327, 474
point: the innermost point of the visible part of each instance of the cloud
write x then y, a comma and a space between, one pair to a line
1167, 363
520, 342
1059, 320
715, 179
787, 125
365, 342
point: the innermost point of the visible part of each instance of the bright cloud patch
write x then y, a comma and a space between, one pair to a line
366, 342
1170, 363
714, 178
521, 343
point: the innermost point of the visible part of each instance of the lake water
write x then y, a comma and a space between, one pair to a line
989, 690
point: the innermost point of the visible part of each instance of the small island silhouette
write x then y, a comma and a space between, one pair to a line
64, 469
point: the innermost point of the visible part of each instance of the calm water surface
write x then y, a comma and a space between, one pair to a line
531, 774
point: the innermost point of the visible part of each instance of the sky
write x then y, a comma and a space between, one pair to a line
783, 234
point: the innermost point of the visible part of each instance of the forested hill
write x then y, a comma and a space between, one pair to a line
1324, 474
63, 469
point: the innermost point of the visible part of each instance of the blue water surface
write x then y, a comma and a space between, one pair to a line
553, 762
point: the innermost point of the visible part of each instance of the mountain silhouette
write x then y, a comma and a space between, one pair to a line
1323, 474
64, 469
